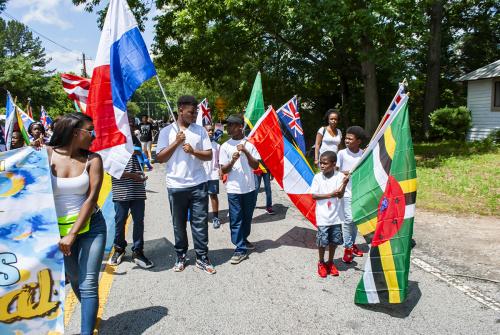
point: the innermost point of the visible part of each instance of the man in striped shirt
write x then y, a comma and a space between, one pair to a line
129, 194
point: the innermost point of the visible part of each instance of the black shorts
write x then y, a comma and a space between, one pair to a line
213, 186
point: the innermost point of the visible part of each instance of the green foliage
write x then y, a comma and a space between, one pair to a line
451, 123
133, 108
494, 136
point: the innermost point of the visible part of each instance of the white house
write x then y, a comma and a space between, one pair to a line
483, 100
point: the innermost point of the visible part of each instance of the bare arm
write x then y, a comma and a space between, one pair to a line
335, 194
204, 155
165, 154
254, 163
317, 143
226, 168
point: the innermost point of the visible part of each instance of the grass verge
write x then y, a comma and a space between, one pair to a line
459, 177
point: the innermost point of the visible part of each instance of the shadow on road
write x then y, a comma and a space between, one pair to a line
299, 237
400, 311
280, 214
133, 322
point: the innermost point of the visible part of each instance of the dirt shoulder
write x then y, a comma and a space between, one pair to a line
461, 244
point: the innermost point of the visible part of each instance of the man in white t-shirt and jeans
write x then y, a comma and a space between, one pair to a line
238, 158
346, 161
184, 146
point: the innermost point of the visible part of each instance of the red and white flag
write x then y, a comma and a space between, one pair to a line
122, 64
204, 116
77, 89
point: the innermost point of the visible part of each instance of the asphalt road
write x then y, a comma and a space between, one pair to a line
275, 291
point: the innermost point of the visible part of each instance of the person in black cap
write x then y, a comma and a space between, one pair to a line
184, 146
238, 158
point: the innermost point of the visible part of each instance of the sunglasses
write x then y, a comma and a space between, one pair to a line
90, 132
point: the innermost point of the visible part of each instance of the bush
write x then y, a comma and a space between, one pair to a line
495, 136
450, 123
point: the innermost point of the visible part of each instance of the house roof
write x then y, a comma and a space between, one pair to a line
488, 71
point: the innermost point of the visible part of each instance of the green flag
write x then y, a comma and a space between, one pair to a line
255, 107
384, 188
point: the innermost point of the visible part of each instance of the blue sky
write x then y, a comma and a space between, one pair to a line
67, 25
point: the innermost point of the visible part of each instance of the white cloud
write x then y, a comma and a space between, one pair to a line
64, 61
43, 11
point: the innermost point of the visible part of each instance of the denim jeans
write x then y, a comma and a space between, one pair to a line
349, 229
83, 267
194, 199
136, 208
267, 188
241, 208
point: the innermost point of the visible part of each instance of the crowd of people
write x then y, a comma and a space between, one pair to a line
195, 164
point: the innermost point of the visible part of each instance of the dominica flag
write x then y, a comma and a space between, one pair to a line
384, 189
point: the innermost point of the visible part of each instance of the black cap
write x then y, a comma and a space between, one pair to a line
234, 118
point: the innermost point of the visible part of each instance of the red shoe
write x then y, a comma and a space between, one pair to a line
322, 269
333, 269
356, 252
348, 257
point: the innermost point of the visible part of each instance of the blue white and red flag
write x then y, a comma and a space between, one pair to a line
204, 116
290, 118
287, 165
122, 64
45, 118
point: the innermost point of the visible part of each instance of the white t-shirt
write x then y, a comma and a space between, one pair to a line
184, 170
329, 212
346, 160
329, 143
240, 179
212, 167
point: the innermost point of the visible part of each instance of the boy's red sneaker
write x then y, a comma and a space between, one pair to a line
322, 269
356, 252
333, 269
348, 257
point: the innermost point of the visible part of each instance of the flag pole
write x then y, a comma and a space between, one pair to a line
165, 97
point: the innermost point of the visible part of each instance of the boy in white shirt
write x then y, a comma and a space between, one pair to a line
347, 160
212, 169
328, 188
184, 146
238, 158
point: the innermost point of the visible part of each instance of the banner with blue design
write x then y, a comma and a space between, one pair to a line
31, 265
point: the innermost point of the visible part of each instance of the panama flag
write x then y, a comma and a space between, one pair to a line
77, 89
122, 64
384, 189
290, 118
287, 165
204, 116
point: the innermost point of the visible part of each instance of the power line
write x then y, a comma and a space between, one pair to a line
36, 32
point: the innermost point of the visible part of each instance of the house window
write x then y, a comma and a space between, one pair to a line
495, 98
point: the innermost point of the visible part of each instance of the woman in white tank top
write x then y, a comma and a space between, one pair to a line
76, 176
329, 137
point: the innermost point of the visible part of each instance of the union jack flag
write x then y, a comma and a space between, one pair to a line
45, 118
204, 116
289, 115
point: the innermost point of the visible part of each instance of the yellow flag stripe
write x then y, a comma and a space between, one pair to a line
387, 260
105, 189
409, 185
368, 226
390, 144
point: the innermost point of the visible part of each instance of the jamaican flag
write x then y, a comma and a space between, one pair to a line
384, 189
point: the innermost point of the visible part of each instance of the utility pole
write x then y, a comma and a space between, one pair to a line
84, 65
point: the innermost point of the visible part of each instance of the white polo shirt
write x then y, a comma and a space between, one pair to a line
240, 179
184, 170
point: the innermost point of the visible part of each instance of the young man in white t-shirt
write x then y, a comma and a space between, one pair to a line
238, 158
347, 160
213, 173
328, 188
184, 146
